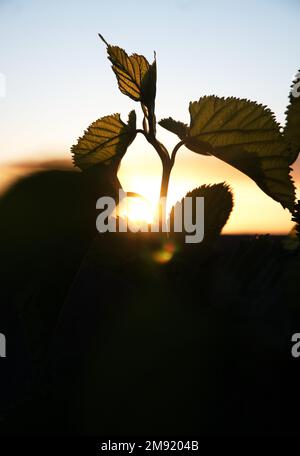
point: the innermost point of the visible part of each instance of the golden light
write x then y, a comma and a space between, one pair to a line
137, 210
254, 212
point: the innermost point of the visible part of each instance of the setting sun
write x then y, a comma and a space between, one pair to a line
137, 210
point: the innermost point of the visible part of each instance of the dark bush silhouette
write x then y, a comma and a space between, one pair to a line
47, 225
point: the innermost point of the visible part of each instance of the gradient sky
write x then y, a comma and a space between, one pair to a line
58, 80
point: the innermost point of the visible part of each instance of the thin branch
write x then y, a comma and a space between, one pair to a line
139, 130
175, 150
160, 149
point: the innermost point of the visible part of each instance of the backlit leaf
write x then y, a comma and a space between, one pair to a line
136, 77
182, 131
247, 136
105, 139
292, 128
218, 204
174, 126
148, 89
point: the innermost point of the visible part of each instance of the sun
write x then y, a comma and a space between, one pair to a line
137, 209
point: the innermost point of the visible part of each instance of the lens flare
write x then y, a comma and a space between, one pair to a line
166, 254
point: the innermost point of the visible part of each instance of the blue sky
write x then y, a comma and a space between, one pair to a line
59, 79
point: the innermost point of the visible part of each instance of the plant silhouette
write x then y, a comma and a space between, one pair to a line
238, 131
122, 344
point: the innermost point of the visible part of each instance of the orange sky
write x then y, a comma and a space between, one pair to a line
254, 212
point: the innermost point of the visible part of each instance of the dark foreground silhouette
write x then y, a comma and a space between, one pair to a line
104, 340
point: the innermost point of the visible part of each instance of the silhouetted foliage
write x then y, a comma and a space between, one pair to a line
296, 218
142, 334
218, 204
240, 132
47, 225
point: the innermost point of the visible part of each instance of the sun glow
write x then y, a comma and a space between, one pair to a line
137, 210
253, 212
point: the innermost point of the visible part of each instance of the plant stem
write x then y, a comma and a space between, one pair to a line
175, 150
167, 167
166, 160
